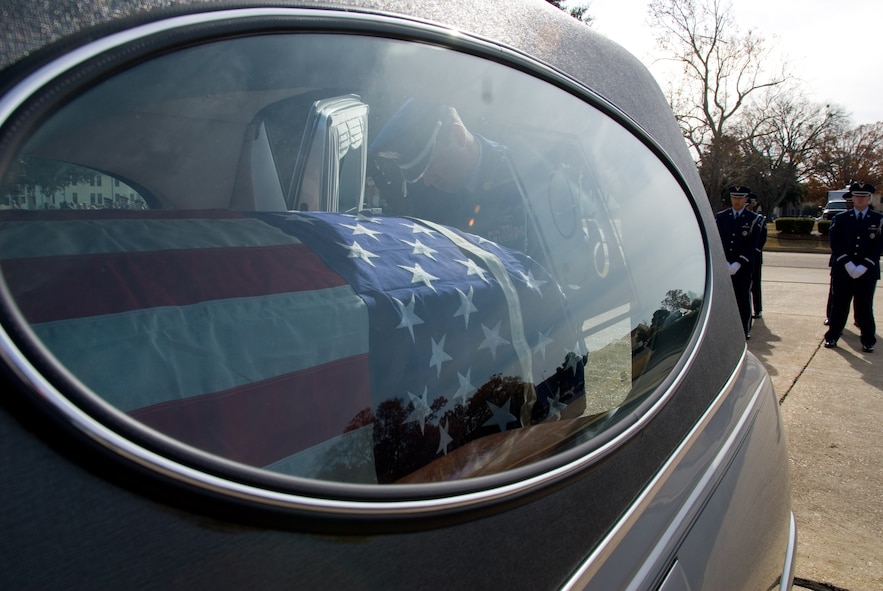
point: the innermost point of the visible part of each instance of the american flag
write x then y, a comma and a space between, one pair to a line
465, 337
382, 342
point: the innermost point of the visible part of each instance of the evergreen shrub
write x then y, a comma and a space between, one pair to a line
795, 225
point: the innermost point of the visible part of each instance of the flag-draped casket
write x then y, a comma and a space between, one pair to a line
341, 347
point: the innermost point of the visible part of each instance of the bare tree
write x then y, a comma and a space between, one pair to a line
720, 69
580, 12
783, 136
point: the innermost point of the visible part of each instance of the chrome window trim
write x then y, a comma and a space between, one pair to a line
341, 504
690, 507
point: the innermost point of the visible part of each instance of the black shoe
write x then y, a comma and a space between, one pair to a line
829, 344
758, 315
868, 348
747, 336
826, 322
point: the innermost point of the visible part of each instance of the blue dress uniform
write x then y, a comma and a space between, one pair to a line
740, 232
489, 204
848, 197
856, 247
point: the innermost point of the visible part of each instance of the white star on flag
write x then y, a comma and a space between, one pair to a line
438, 355
444, 440
532, 283
357, 252
421, 410
572, 363
419, 229
360, 229
556, 406
420, 248
472, 268
466, 388
492, 339
466, 307
418, 275
542, 341
409, 318
361, 217
500, 415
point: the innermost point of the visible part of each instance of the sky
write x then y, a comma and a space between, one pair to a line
833, 46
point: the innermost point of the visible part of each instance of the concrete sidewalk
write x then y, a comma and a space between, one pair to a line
832, 405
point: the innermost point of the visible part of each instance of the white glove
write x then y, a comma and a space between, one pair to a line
850, 268
859, 271
734, 268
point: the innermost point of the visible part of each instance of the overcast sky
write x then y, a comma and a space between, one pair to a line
834, 46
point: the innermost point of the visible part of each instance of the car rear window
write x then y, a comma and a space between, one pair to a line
351, 258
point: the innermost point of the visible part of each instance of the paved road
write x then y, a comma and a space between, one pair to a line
832, 405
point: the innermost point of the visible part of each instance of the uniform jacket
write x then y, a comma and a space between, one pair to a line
490, 205
740, 235
857, 242
493, 206
761, 239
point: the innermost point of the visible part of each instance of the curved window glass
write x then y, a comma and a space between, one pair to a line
351, 259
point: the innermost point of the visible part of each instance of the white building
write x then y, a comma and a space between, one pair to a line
100, 191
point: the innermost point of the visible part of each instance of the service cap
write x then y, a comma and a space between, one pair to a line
861, 189
739, 191
409, 136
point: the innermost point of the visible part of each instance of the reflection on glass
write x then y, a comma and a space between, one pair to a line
499, 268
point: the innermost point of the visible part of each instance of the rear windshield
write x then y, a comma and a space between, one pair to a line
350, 258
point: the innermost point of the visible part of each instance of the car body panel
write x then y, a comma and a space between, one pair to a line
699, 480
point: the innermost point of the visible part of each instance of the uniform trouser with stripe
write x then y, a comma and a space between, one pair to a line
742, 288
860, 292
756, 300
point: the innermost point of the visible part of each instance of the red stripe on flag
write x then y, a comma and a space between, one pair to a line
262, 422
65, 287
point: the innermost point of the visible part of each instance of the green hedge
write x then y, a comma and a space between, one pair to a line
824, 227
795, 225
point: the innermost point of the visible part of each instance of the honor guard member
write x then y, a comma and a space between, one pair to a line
856, 246
739, 229
469, 179
756, 296
847, 197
